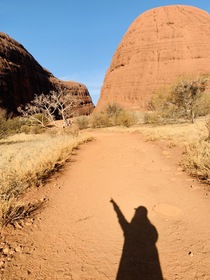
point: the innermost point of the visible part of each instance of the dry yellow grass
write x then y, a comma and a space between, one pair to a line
177, 134
196, 159
14, 211
26, 160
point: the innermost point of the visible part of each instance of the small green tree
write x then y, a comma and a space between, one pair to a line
113, 110
185, 95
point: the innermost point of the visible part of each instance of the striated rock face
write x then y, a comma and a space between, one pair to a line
161, 45
21, 77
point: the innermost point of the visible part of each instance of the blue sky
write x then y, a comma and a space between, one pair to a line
76, 39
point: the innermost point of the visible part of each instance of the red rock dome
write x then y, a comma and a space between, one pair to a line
21, 77
161, 45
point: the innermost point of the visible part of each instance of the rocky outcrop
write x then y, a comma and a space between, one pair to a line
21, 77
161, 45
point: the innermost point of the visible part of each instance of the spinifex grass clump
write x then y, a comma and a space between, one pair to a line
197, 160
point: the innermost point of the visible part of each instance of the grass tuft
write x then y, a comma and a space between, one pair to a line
27, 160
13, 211
196, 160
195, 139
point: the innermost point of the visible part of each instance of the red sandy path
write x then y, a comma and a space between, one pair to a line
78, 235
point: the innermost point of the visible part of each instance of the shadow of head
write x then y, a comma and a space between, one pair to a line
139, 258
141, 211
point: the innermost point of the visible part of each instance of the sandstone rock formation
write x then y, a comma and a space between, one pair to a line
21, 77
160, 45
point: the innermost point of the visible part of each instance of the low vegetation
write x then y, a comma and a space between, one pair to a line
186, 100
196, 160
31, 150
113, 115
178, 105
15, 125
194, 137
10, 126
45, 108
82, 122
27, 160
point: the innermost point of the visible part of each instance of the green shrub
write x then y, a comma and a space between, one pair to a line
196, 160
153, 118
10, 126
162, 110
202, 105
184, 100
126, 118
39, 119
113, 115
16, 125
159, 101
25, 128
113, 111
99, 120
82, 122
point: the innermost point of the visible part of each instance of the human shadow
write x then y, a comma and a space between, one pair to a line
139, 260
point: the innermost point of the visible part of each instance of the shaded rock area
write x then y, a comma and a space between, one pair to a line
21, 77
160, 46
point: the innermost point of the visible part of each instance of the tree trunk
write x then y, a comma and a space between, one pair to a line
208, 128
192, 113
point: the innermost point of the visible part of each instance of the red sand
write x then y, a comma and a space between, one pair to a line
78, 236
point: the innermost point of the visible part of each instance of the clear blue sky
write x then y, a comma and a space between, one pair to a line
76, 39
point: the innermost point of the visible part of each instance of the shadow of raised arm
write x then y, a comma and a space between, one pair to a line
139, 258
122, 220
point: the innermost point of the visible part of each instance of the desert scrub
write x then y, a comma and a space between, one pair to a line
100, 120
126, 118
196, 160
14, 212
11, 126
194, 137
82, 122
113, 115
27, 160
177, 134
185, 100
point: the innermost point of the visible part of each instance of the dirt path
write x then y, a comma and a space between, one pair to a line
78, 235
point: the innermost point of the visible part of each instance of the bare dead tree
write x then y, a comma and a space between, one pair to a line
46, 107
65, 104
39, 110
